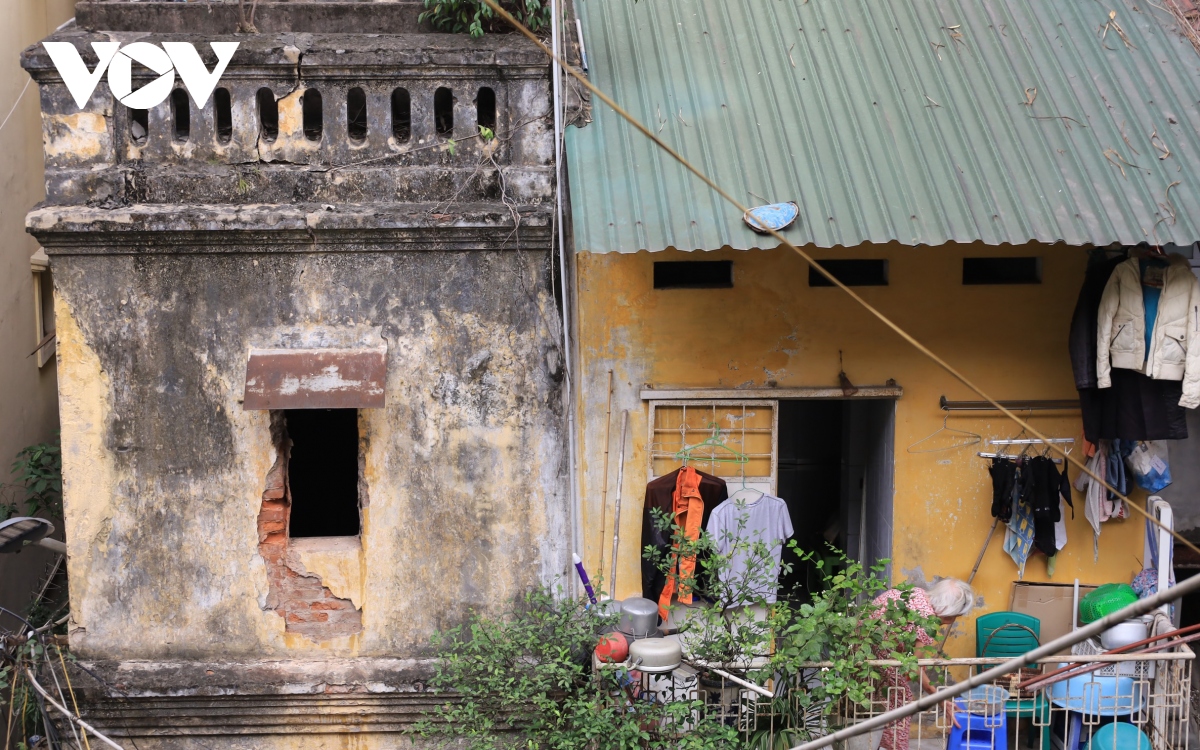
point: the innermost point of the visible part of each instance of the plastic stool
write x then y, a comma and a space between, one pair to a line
978, 732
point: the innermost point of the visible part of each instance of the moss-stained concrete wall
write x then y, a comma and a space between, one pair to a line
772, 328
464, 485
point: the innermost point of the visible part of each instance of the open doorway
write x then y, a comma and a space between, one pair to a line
835, 471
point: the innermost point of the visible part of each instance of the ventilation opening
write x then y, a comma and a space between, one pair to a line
323, 472
181, 114
1002, 270
310, 104
224, 109
485, 108
139, 126
851, 273
356, 114
693, 274
443, 111
268, 114
401, 115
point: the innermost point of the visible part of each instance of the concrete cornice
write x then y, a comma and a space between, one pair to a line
327, 56
175, 229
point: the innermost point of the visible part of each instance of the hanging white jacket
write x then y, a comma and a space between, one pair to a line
1174, 340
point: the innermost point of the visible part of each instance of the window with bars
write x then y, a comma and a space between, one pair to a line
719, 434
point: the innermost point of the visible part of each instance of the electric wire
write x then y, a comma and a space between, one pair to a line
829, 276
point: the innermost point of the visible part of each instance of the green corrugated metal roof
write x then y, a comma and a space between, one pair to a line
888, 120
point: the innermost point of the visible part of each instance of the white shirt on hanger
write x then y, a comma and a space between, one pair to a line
735, 525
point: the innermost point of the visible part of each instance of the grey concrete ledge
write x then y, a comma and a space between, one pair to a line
358, 56
159, 228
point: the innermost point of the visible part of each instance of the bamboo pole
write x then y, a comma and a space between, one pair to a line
604, 490
612, 585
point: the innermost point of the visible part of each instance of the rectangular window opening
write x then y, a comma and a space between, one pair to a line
693, 274
856, 272
1002, 271
323, 472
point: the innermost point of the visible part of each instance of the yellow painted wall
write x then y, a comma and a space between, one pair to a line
771, 326
28, 400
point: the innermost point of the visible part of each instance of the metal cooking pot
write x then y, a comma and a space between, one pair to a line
639, 617
655, 655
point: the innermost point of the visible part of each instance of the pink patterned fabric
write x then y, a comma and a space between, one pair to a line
895, 735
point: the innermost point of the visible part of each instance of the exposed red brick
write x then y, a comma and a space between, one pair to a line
305, 604
332, 604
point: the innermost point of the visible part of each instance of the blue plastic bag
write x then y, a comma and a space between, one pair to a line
1148, 465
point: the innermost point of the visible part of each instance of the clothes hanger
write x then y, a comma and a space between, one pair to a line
971, 438
749, 500
712, 443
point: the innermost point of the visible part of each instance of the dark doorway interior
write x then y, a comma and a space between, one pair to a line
323, 472
835, 473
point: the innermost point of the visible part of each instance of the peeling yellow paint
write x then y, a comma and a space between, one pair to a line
88, 484
338, 562
78, 136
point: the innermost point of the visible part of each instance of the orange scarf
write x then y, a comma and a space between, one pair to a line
688, 508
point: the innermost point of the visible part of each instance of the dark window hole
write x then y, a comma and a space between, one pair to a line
224, 109
323, 472
693, 274
401, 115
851, 273
356, 114
139, 126
268, 114
181, 114
310, 105
485, 108
443, 111
1002, 271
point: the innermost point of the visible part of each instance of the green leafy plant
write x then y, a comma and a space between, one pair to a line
474, 17
38, 470
843, 627
525, 680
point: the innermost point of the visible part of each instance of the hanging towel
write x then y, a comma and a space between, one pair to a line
1095, 504
1018, 537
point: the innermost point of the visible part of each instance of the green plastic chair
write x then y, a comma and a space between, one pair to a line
1009, 634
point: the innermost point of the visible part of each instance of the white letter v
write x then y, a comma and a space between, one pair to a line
199, 82
74, 73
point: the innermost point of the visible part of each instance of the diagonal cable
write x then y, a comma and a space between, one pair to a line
832, 279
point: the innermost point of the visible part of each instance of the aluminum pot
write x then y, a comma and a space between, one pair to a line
639, 617
655, 655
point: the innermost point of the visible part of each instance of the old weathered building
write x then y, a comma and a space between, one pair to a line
310, 365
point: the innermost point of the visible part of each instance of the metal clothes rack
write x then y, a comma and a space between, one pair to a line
1024, 441
1028, 405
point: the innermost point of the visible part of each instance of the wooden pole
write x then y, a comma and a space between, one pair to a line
970, 578
612, 584
604, 491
